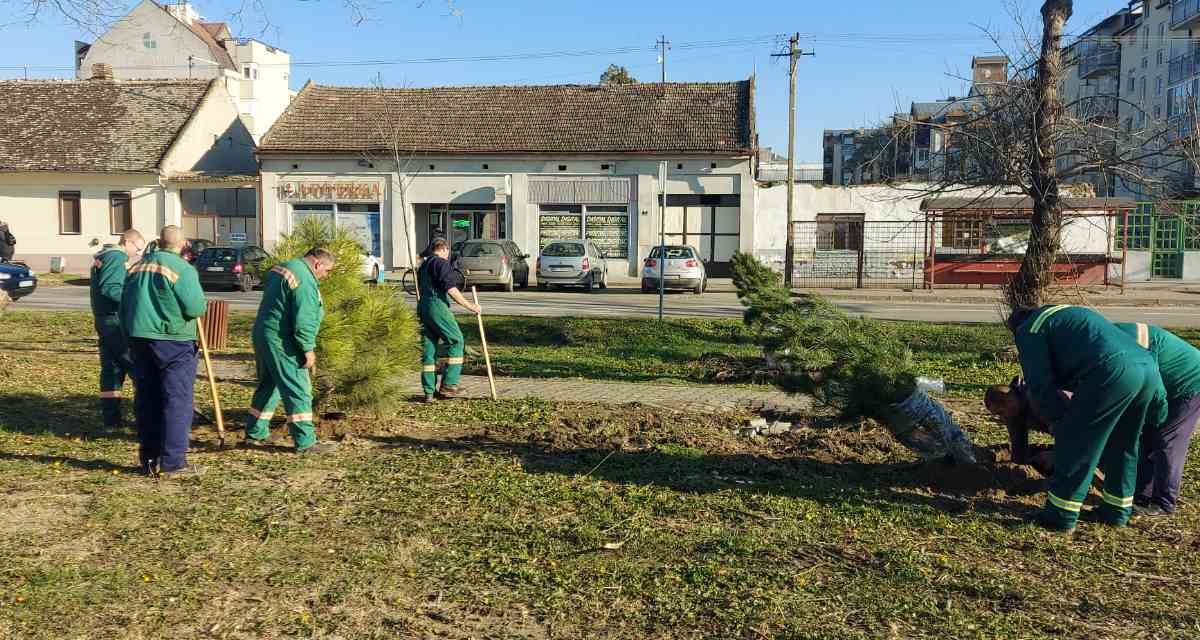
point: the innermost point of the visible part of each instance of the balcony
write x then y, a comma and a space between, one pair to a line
1099, 60
1184, 13
1099, 109
1184, 66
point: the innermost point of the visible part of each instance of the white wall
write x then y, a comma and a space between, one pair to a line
877, 204
30, 205
264, 97
506, 181
125, 47
214, 139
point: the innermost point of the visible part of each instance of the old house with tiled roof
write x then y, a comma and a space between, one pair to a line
174, 41
82, 161
527, 163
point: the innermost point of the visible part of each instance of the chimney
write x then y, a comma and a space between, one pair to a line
185, 13
102, 71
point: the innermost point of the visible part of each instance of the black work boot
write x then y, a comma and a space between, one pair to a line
260, 444
448, 392
1150, 511
190, 472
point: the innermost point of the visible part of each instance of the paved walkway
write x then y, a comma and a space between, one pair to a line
678, 397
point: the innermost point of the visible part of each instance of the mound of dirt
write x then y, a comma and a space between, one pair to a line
995, 473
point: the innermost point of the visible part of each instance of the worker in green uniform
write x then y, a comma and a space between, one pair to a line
1116, 390
107, 282
285, 342
437, 282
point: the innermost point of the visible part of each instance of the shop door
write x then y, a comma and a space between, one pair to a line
714, 231
1166, 258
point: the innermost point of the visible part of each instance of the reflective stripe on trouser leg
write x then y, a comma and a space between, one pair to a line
1121, 453
266, 394
114, 363
292, 385
1101, 420
439, 326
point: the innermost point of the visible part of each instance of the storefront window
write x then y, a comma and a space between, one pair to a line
361, 219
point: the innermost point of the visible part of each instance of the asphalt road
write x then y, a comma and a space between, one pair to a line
624, 302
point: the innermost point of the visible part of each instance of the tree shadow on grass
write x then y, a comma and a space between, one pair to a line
94, 464
837, 484
60, 415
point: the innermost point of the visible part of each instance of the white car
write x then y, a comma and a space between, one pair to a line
683, 269
372, 267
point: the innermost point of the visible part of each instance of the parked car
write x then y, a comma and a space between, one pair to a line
16, 279
572, 263
493, 262
194, 248
372, 267
681, 268
231, 267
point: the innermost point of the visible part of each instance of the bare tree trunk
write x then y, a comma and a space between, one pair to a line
1028, 288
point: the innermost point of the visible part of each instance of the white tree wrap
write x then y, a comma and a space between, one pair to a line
924, 425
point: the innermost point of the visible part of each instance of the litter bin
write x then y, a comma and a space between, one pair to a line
215, 324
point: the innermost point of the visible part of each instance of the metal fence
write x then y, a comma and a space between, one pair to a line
849, 253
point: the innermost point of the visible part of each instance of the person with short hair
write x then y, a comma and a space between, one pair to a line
159, 307
438, 285
107, 284
285, 342
1117, 390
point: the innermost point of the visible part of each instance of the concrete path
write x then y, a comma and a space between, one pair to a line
678, 397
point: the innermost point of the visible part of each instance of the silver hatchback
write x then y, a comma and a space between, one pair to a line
493, 262
679, 268
573, 263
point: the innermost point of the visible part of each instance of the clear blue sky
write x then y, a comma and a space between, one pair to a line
872, 55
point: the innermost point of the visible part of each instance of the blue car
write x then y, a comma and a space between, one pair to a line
16, 279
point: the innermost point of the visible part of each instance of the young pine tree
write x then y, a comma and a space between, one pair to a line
368, 339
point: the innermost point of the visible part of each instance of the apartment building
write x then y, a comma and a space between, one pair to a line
156, 42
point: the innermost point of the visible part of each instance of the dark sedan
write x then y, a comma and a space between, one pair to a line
231, 267
16, 279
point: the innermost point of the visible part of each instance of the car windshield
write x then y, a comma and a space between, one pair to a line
218, 256
563, 250
481, 250
673, 253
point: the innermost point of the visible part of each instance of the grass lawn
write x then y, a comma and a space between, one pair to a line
541, 520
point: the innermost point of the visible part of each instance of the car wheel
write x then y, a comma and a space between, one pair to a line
525, 280
699, 289
587, 284
604, 279
542, 286
511, 284
245, 284
375, 274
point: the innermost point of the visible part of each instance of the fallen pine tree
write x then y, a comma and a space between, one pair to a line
857, 365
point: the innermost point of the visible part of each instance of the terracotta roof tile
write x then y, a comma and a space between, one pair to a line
92, 125
637, 118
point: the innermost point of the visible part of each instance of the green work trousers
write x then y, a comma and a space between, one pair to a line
1102, 427
115, 364
438, 326
280, 376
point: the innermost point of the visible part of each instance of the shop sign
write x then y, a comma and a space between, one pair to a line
329, 191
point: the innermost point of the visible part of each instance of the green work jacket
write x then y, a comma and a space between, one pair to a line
162, 298
1178, 360
291, 310
108, 281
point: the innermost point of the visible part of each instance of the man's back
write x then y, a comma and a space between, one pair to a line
162, 298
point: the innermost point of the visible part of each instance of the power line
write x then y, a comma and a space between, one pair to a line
768, 39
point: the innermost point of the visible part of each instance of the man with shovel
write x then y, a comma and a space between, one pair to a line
107, 285
438, 285
159, 307
285, 342
1117, 390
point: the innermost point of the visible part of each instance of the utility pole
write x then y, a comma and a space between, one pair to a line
789, 253
662, 45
